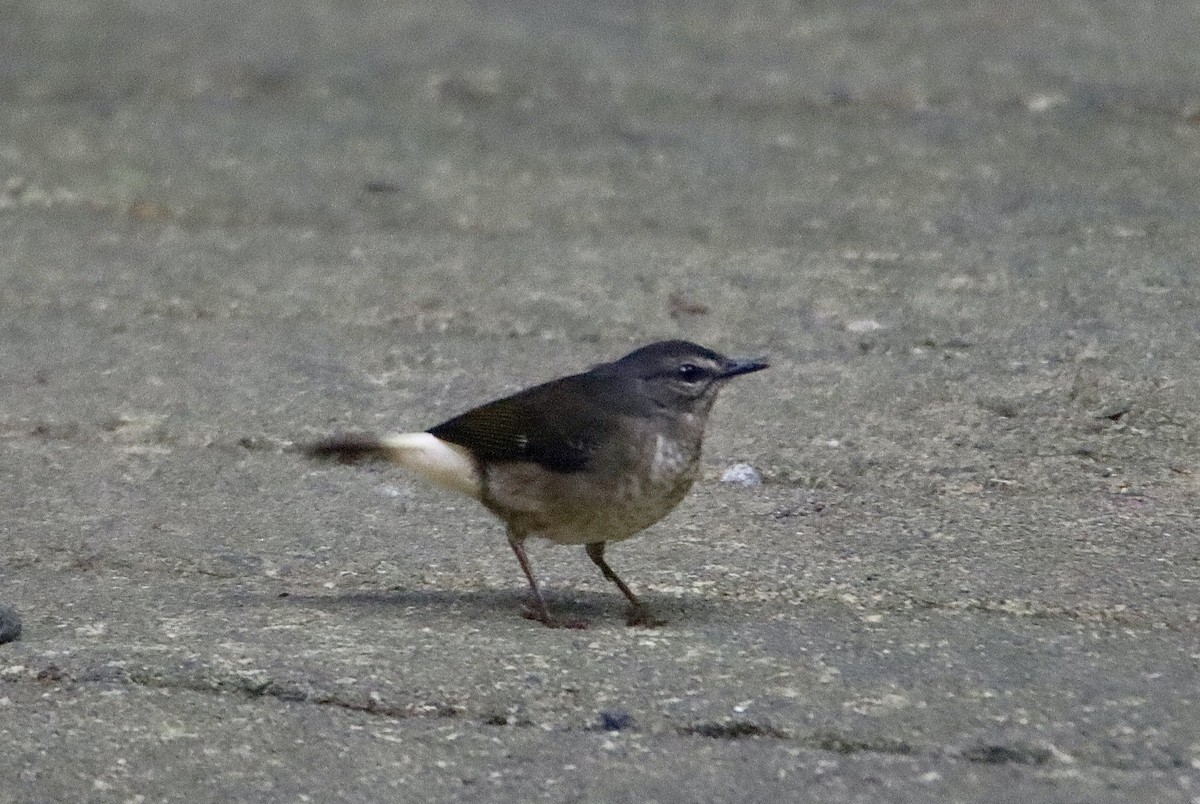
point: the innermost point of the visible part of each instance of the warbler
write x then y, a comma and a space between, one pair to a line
590, 458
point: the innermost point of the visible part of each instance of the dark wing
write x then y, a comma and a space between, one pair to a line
554, 425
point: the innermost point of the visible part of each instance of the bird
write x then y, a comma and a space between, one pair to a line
590, 458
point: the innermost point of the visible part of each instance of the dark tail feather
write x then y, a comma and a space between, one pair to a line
349, 449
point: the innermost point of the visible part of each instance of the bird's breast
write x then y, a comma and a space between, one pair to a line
668, 460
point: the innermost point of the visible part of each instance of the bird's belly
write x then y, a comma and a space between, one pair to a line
579, 508
626, 514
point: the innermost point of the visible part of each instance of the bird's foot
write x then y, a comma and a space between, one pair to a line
640, 617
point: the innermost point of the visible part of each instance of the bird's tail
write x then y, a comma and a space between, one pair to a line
350, 448
446, 464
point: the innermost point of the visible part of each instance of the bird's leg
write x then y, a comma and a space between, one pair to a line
638, 614
538, 611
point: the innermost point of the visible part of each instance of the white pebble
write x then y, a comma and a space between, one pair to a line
742, 474
863, 325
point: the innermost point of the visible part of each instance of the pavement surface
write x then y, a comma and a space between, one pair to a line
965, 233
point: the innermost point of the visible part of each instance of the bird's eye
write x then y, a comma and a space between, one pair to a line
689, 372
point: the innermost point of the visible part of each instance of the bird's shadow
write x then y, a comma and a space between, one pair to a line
486, 605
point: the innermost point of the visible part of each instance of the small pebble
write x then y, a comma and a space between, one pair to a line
10, 624
742, 474
615, 720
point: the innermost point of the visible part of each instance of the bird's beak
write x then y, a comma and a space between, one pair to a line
742, 365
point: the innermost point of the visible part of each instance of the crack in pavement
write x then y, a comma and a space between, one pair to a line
371, 703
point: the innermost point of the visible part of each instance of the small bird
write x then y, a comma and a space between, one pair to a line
587, 459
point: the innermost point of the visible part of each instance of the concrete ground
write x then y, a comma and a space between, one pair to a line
965, 233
